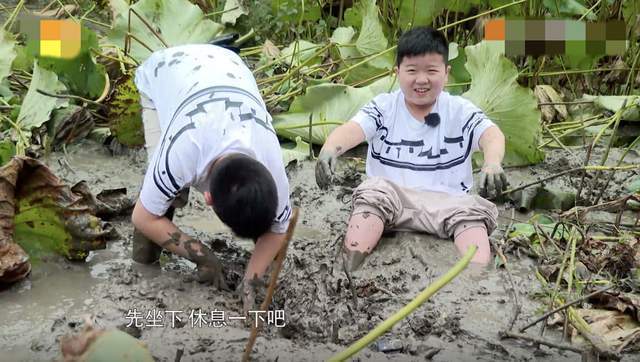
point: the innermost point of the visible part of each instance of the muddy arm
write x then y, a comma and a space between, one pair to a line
492, 145
165, 233
344, 138
267, 246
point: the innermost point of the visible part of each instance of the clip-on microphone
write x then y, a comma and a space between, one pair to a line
432, 119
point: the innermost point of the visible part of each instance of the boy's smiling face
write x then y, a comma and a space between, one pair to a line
422, 78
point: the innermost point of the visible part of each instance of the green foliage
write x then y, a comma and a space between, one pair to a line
513, 108
176, 21
568, 8
36, 107
300, 52
125, 114
370, 40
458, 73
7, 150
295, 151
7, 53
24, 59
416, 12
335, 103
614, 104
39, 227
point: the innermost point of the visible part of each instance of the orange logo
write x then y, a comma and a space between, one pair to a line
59, 38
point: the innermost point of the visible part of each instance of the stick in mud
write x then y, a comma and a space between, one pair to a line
565, 306
272, 284
537, 340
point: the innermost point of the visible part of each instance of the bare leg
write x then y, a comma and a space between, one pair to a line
363, 233
473, 233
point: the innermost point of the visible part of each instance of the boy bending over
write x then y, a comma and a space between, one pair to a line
206, 126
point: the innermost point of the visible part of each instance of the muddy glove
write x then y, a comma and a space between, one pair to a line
493, 181
326, 168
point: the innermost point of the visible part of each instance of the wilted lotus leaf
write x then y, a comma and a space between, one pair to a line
43, 215
614, 327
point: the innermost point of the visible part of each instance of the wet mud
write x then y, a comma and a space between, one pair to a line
325, 309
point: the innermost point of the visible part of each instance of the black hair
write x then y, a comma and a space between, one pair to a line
422, 40
244, 195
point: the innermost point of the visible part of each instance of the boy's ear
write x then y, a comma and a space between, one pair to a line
208, 198
395, 69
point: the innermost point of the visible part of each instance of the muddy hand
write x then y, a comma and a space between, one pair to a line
210, 271
247, 290
326, 168
493, 181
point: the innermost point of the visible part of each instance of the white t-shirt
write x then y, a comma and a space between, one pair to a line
208, 105
412, 154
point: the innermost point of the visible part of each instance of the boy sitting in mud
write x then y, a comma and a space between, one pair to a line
206, 126
419, 157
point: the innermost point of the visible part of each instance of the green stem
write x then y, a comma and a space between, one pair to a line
407, 309
480, 15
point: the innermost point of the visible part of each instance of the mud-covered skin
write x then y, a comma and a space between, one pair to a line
209, 266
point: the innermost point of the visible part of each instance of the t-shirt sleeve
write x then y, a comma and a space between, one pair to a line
475, 123
371, 116
283, 212
142, 80
170, 171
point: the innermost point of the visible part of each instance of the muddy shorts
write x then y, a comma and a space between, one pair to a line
436, 213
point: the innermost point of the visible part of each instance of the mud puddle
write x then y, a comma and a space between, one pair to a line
321, 313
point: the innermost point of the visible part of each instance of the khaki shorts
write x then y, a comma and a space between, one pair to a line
437, 213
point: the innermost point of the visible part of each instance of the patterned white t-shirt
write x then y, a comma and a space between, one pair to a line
413, 154
208, 105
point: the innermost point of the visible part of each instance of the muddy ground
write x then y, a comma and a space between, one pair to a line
460, 323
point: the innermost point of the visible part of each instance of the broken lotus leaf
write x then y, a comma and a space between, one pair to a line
233, 9
623, 302
176, 21
513, 108
43, 215
299, 151
614, 104
7, 53
36, 107
614, 327
370, 41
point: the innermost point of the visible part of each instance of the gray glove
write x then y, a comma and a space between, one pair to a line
493, 181
326, 168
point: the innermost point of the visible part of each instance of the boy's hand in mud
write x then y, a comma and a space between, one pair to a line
248, 290
211, 272
493, 181
326, 168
